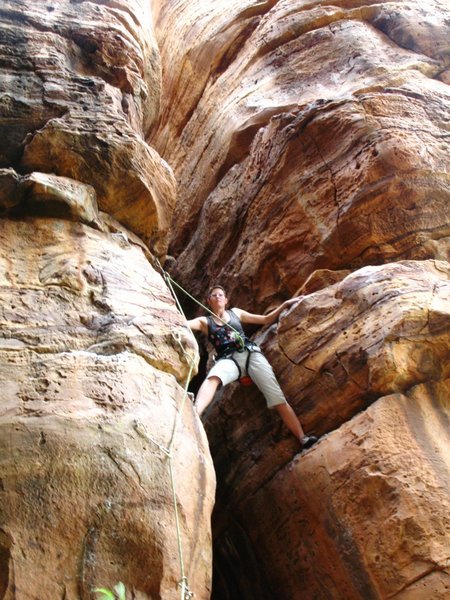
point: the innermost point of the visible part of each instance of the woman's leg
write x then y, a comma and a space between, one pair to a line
260, 370
262, 374
206, 393
223, 372
291, 421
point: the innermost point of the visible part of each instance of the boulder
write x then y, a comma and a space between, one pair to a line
94, 358
82, 90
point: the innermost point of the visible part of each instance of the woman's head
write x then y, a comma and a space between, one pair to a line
217, 295
215, 289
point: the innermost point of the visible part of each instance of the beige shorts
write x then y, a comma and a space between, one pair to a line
259, 370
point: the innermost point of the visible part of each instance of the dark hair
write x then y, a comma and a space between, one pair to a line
216, 287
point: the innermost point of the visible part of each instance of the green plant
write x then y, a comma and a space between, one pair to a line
118, 592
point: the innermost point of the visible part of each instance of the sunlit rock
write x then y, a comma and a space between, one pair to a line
82, 88
93, 361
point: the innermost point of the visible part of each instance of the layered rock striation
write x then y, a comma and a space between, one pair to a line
105, 472
281, 147
306, 126
92, 373
310, 146
80, 90
354, 517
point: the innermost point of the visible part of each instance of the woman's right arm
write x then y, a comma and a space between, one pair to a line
199, 324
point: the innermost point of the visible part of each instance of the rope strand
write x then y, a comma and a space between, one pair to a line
169, 280
185, 593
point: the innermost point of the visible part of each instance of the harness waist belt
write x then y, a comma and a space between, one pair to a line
250, 346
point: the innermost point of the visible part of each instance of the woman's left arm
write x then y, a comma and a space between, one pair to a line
247, 317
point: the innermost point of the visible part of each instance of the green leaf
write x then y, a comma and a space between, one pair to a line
106, 594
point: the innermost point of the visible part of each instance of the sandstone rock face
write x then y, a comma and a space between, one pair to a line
80, 89
309, 147
355, 517
91, 373
387, 466
309, 142
303, 125
100, 451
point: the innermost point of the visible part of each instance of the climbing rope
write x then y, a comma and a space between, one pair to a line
186, 594
169, 280
183, 584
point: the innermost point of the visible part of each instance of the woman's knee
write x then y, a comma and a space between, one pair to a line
214, 380
206, 392
210, 385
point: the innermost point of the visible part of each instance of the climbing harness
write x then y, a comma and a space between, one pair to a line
244, 380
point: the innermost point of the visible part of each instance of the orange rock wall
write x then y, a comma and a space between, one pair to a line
364, 515
309, 142
94, 355
81, 89
374, 384
297, 148
88, 375
281, 147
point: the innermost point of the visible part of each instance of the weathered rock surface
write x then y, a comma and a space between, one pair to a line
44, 194
310, 144
94, 355
381, 337
363, 515
80, 88
299, 146
91, 371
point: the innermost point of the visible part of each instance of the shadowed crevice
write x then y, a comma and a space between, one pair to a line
6, 568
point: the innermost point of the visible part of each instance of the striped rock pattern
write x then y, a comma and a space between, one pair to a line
310, 145
94, 355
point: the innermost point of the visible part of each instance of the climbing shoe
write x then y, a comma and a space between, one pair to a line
308, 441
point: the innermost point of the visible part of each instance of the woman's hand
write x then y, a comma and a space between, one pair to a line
268, 319
290, 302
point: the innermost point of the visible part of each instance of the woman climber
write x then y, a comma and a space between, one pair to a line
238, 356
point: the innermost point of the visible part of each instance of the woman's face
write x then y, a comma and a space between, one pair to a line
217, 299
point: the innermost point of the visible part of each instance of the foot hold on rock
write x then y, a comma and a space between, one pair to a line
308, 441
